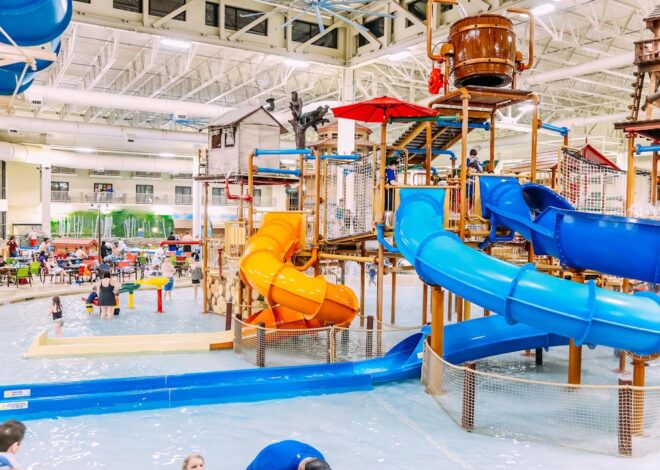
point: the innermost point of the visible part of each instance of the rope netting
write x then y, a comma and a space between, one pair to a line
611, 419
283, 347
599, 189
349, 198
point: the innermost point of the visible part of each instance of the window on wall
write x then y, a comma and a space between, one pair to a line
302, 31
165, 7
218, 196
230, 138
144, 193
212, 16
375, 27
128, 5
256, 194
183, 195
235, 19
216, 138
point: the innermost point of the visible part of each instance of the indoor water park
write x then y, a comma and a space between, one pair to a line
312, 235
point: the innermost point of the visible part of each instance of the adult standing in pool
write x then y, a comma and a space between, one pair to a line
107, 301
289, 455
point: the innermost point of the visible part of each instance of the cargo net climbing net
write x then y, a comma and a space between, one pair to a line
349, 197
596, 188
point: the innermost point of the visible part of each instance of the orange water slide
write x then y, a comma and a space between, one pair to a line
296, 300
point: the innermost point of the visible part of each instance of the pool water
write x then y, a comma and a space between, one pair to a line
396, 426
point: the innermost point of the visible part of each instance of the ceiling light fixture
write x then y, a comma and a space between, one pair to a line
543, 9
175, 43
299, 64
166, 155
398, 56
84, 149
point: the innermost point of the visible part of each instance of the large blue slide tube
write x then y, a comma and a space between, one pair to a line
583, 312
621, 246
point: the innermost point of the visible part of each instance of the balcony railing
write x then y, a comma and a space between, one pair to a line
146, 198
183, 199
647, 52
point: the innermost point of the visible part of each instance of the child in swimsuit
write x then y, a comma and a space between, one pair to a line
55, 310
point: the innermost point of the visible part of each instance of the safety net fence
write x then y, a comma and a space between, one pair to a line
272, 347
613, 419
349, 198
590, 187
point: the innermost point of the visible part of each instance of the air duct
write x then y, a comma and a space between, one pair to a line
75, 97
594, 66
43, 155
126, 134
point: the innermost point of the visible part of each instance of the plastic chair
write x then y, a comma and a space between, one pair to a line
35, 270
22, 273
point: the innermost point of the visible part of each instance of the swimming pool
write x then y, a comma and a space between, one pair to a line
397, 426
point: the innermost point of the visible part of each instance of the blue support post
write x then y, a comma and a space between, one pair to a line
562, 131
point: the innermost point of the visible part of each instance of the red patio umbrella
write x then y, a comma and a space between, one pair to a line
381, 109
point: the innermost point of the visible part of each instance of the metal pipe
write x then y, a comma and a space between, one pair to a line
563, 131
357, 259
429, 27
530, 53
433, 152
454, 118
258, 152
205, 248
317, 206
334, 157
647, 148
380, 228
491, 164
437, 319
535, 137
471, 125
278, 171
465, 98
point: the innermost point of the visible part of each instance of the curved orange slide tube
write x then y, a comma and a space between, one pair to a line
298, 300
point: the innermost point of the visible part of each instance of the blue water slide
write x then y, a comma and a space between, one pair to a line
621, 246
583, 312
50, 400
34, 22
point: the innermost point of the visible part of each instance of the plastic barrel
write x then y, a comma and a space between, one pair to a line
34, 22
10, 74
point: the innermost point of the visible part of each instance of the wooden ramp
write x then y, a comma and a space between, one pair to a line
43, 346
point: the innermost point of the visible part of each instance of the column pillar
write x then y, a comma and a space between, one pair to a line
346, 127
196, 198
45, 198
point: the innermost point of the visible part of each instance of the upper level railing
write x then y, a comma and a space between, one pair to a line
146, 198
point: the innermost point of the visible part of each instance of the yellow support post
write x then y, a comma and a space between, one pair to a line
131, 300
575, 352
437, 319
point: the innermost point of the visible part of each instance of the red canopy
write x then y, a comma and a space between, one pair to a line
380, 109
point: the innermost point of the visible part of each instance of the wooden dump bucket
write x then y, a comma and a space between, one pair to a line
484, 51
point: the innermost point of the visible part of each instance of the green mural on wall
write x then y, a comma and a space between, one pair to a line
117, 223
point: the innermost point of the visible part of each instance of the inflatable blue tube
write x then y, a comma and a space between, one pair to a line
34, 22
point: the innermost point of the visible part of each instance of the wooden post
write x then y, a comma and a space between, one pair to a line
381, 251
538, 356
654, 178
393, 299
467, 310
425, 301
429, 151
238, 332
639, 379
625, 417
491, 161
467, 414
575, 352
205, 251
463, 190
450, 305
261, 345
370, 337
331, 353
437, 319
229, 311
459, 309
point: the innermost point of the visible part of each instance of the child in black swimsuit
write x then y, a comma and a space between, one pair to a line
55, 310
